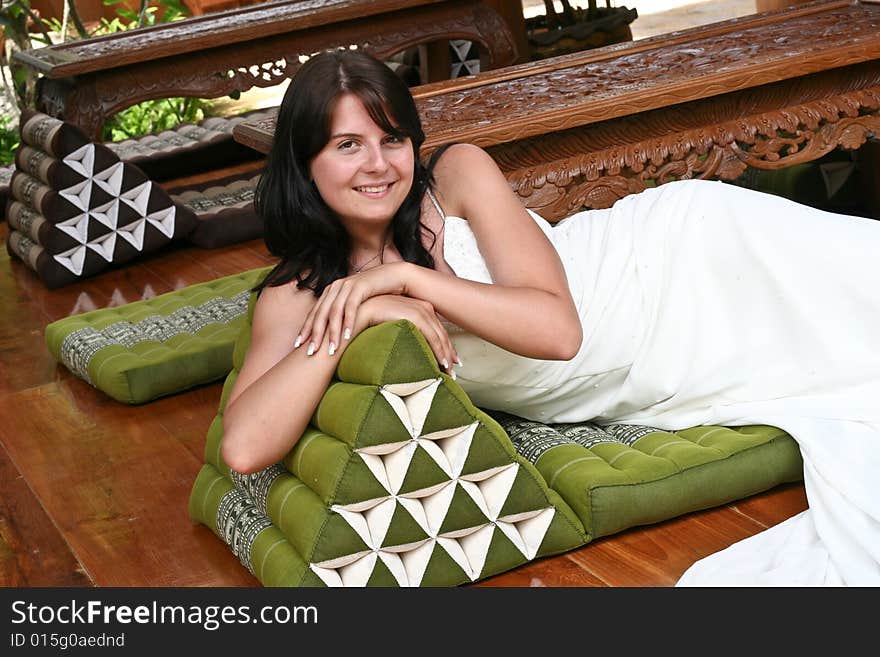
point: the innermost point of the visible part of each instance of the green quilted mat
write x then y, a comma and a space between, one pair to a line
400, 481
143, 350
619, 476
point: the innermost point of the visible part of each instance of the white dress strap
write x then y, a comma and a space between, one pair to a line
436, 204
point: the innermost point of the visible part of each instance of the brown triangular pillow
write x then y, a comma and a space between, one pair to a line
54, 136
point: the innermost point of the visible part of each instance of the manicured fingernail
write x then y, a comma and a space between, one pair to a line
445, 364
453, 375
347, 334
298, 341
458, 362
311, 349
332, 349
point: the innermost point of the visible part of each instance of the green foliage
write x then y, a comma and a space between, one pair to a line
8, 141
17, 21
148, 116
152, 116
159, 11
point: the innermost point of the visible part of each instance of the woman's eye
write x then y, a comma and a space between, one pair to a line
348, 144
391, 139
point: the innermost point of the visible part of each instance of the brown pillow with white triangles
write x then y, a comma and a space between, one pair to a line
82, 209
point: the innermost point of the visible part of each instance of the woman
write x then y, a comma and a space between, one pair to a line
692, 303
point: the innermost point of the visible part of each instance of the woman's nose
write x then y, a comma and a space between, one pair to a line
376, 160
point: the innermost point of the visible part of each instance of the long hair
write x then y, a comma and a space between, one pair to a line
298, 226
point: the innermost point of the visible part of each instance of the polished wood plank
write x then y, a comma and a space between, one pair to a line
25, 362
32, 552
555, 571
117, 485
781, 503
186, 417
657, 555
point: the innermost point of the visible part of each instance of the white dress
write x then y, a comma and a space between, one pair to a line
704, 303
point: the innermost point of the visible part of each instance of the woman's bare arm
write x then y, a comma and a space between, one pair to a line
528, 310
279, 388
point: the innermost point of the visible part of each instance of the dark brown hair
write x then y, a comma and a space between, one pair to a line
298, 226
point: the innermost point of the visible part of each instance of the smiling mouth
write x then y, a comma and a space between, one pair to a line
373, 189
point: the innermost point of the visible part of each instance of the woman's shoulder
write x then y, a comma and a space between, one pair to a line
281, 305
460, 157
460, 173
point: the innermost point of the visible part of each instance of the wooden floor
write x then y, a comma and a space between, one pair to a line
94, 492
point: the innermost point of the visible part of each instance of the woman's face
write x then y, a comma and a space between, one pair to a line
363, 174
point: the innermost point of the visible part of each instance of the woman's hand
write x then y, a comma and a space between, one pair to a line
391, 307
336, 311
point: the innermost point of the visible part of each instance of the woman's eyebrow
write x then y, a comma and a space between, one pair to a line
339, 135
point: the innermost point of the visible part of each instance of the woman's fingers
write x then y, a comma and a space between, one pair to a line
349, 314
305, 331
337, 316
315, 326
338, 311
333, 317
437, 337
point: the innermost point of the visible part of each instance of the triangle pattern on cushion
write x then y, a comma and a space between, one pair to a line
72, 259
424, 470
79, 194
133, 233
163, 220
104, 246
107, 214
111, 178
377, 521
77, 227
91, 198
82, 160
138, 197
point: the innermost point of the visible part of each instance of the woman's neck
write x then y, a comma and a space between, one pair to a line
368, 251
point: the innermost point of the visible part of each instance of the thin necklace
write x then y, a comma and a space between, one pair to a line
381, 252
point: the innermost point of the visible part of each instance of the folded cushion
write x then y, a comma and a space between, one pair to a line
77, 210
77, 207
224, 212
400, 480
48, 134
189, 148
147, 349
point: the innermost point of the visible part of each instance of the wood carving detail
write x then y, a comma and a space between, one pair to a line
770, 140
671, 69
240, 67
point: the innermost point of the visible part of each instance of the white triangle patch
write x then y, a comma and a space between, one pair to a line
104, 246
133, 233
107, 214
77, 227
138, 197
531, 530
110, 179
72, 259
79, 194
476, 547
415, 562
461, 48
164, 220
82, 160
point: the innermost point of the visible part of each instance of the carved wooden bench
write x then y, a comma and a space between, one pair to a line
581, 131
84, 82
